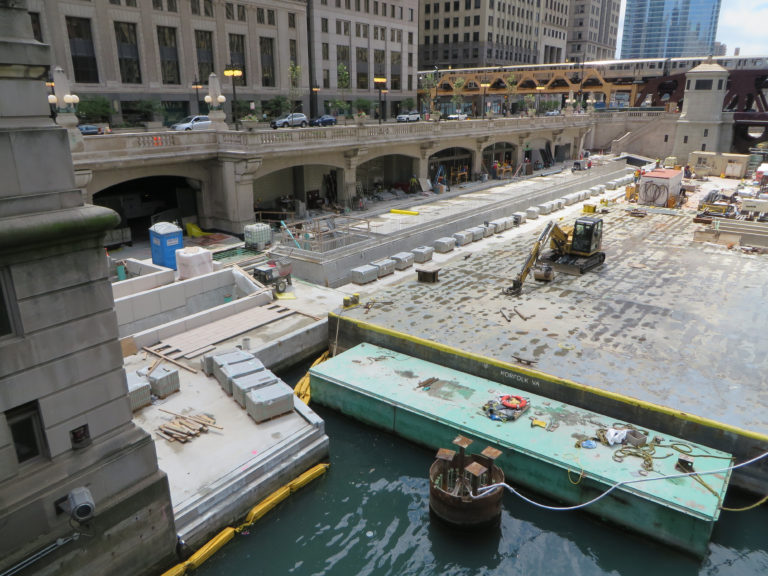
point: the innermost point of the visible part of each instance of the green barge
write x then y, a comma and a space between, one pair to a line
546, 450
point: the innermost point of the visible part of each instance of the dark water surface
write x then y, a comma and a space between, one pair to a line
369, 515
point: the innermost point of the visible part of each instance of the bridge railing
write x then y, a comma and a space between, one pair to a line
205, 144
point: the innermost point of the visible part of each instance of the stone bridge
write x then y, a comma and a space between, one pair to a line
230, 171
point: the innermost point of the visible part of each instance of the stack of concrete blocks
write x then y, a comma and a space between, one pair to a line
501, 224
422, 254
206, 362
244, 384
384, 267
601, 188
463, 238
594, 191
364, 274
402, 260
532, 213
164, 381
445, 244
611, 185
559, 203
139, 391
220, 361
231, 372
269, 402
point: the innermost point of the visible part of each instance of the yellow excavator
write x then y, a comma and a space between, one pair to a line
574, 250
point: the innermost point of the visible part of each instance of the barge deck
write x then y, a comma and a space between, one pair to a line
387, 389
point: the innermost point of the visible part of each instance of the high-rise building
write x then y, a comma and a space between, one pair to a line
669, 28
593, 29
468, 33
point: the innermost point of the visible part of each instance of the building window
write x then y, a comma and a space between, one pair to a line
291, 20
169, 55
292, 51
702, 84
703, 147
172, 6
706, 132
37, 30
26, 431
241, 13
130, 3
229, 11
267, 47
208, 8
362, 68
128, 52
237, 56
81, 47
157, 4
720, 84
685, 139
326, 51
326, 78
324, 25
115, 2
666, 137
271, 17
204, 49
260, 15
195, 6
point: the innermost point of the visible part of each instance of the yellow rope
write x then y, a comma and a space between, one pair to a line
745, 508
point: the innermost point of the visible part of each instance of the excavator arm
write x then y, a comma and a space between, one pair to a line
530, 262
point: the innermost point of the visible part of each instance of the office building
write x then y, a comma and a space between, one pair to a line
593, 30
669, 28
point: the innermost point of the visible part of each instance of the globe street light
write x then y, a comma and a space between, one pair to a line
233, 71
380, 82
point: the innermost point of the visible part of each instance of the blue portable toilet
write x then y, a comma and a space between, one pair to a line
165, 238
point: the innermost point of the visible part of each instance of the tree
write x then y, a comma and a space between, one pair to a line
458, 98
408, 103
429, 82
342, 82
295, 92
277, 106
362, 105
94, 109
510, 83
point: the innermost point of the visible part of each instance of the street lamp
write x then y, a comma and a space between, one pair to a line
233, 71
484, 85
313, 103
196, 85
52, 97
538, 92
437, 87
380, 82
384, 109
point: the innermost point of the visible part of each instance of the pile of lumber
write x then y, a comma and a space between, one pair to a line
183, 428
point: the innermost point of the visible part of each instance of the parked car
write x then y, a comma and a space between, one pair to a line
457, 116
88, 129
552, 113
324, 120
412, 116
290, 120
193, 123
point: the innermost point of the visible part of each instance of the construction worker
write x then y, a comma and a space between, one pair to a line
414, 185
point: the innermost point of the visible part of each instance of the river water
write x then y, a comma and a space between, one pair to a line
369, 515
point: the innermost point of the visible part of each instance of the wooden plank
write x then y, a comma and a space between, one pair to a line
199, 351
171, 360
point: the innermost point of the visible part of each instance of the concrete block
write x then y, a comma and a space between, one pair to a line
164, 381
234, 371
559, 204
192, 287
611, 185
445, 244
532, 213
124, 311
139, 391
244, 384
463, 238
488, 230
364, 274
545, 208
478, 233
206, 362
501, 224
172, 297
402, 260
146, 304
222, 360
269, 402
519, 218
422, 254
385, 267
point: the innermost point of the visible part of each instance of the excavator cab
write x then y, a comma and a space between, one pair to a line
587, 236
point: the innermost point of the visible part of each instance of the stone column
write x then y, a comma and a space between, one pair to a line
232, 186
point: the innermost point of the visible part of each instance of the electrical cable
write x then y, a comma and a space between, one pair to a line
616, 485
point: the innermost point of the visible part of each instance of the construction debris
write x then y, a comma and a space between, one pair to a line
185, 428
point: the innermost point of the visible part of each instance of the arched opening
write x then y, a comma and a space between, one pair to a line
538, 154
500, 160
144, 201
450, 166
297, 192
381, 177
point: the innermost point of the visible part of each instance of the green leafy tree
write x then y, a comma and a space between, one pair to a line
429, 83
362, 105
342, 82
295, 92
277, 106
510, 83
458, 98
94, 109
408, 103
